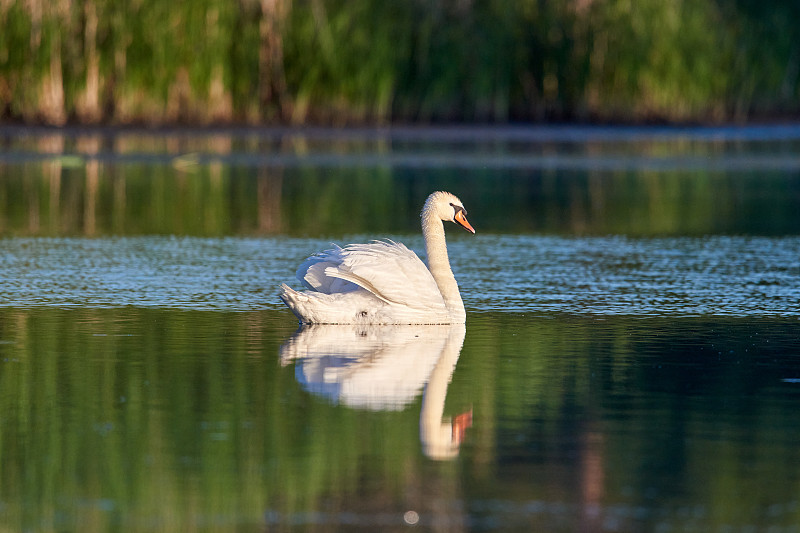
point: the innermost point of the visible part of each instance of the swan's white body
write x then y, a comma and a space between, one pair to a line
384, 282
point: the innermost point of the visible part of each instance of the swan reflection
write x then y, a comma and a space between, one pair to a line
384, 368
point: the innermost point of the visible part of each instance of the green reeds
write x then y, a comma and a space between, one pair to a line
336, 62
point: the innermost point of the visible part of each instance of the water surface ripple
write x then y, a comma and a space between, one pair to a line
680, 276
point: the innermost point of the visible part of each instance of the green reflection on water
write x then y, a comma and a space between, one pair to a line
96, 198
185, 420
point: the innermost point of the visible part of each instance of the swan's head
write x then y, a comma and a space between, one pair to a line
446, 206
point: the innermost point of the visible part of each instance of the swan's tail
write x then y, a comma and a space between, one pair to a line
293, 299
311, 307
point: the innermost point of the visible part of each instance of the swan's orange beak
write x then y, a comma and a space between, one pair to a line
461, 220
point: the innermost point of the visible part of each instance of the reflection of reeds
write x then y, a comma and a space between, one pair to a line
169, 420
269, 200
201, 193
284, 61
174, 420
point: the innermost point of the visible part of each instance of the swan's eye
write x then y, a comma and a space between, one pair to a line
457, 208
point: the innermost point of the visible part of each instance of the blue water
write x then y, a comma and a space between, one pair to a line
679, 276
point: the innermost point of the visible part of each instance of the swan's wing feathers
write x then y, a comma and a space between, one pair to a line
391, 272
311, 272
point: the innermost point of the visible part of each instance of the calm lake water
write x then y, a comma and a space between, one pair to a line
630, 362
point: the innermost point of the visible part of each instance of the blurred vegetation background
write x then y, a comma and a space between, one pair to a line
371, 61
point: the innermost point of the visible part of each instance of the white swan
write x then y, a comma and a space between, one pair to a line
384, 282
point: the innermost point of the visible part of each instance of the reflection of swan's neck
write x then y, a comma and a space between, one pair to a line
438, 437
439, 263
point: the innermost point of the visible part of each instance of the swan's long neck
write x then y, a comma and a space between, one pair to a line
439, 264
438, 437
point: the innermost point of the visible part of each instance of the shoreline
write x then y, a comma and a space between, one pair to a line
528, 132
